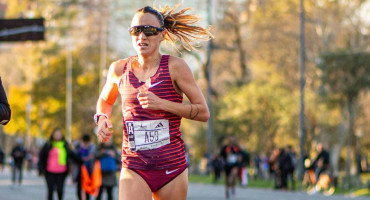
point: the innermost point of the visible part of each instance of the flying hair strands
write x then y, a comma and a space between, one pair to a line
180, 26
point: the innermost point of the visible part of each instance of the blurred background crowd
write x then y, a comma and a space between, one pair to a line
253, 84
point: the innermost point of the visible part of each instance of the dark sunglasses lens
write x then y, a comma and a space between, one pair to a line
135, 31
147, 30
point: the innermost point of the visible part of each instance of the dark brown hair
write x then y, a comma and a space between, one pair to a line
55, 130
179, 25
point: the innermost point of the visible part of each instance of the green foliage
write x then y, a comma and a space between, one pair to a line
17, 98
43, 68
345, 74
257, 111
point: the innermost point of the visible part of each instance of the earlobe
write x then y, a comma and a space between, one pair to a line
163, 35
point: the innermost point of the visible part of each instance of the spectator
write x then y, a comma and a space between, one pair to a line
293, 159
265, 167
18, 154
274, 167
322, 160
285, 166
5, 111
257, 166
85, 149
29, 165
243, 168
217, 165
108, 157
2, 158
53, 164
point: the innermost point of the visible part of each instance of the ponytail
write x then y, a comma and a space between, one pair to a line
179, 26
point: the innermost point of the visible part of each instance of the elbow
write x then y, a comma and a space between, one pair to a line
205, 117
5, 115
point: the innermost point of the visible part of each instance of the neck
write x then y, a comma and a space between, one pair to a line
149, 61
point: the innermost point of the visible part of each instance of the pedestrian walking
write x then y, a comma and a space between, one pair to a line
54, 161
18, 155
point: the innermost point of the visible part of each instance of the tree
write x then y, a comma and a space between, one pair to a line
258, 111
45, 62
345, 75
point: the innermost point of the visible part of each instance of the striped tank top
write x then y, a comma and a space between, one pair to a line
171, 154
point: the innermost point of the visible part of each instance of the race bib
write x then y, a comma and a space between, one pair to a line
232, 158
145, 135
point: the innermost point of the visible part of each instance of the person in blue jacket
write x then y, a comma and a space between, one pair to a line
109, 162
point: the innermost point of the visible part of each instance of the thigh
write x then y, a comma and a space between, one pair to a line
100, 194
176, 189
60, 180
133, 186
13, 170
234, 172
109, 192
50, 180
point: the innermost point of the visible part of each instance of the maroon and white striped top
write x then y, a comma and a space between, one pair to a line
168, 156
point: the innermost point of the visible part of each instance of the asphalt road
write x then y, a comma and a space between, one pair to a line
33, 187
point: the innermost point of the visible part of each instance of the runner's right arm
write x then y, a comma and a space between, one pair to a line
106, 100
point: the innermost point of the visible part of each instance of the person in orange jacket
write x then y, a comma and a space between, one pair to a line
85, 149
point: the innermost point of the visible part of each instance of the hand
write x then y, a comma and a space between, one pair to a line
105, 129
149, 100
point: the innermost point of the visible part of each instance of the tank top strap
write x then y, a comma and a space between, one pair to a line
128, 63
164, 62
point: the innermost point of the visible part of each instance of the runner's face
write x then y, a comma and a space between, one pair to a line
146, 45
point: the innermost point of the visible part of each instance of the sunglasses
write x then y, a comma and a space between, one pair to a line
147, 30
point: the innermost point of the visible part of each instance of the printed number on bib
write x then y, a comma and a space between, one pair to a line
145, 135
232, 159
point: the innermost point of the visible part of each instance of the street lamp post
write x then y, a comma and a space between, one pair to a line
209, 86
302, 84
69, 94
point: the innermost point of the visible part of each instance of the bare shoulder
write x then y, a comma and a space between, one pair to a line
176, 62
116, 69
118, 65
178, 66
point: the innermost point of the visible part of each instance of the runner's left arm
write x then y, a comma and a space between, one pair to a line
184, 82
